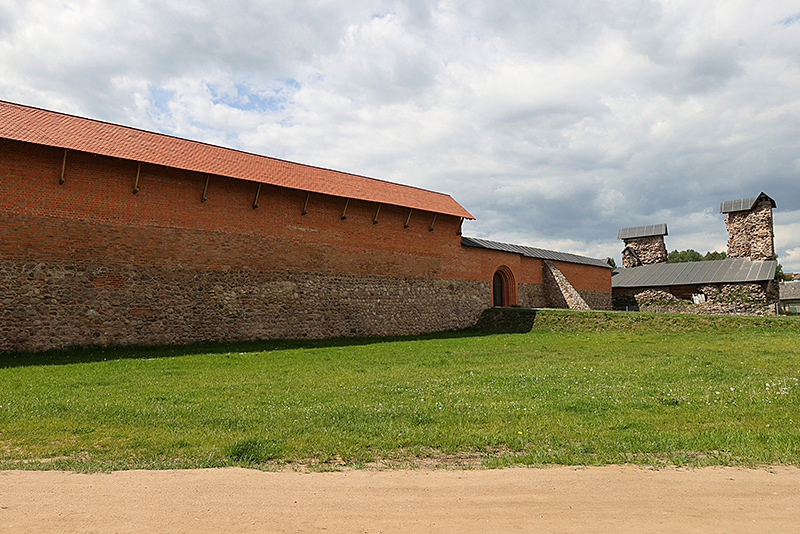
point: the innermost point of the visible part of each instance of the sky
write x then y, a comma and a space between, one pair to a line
554, 123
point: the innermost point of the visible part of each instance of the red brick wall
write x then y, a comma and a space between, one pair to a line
586, 276
408, 279
99, 189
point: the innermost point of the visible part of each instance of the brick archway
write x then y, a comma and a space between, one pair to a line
504, 288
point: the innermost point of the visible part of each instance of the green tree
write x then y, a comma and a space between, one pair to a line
684, 256
780, 275
710, 256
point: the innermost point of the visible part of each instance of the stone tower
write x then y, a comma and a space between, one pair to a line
644, 245
749, 223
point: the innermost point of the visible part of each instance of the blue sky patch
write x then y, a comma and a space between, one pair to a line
161, 98
251, 98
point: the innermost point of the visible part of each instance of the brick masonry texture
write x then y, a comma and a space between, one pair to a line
750, 233
648, 250
89, 262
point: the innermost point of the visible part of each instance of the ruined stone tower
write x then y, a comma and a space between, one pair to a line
644, 245
749, 223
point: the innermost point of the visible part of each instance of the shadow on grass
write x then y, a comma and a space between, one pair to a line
493, 321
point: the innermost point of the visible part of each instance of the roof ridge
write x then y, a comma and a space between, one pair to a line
515, 249
211, 145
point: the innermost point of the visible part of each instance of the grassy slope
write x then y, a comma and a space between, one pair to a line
579, 388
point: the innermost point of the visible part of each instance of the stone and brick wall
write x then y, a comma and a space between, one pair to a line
750, 233
558, 291
90, 262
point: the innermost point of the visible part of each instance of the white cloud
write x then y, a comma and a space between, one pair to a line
554, 123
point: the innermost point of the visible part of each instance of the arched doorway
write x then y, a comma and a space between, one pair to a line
497, 290
504, 288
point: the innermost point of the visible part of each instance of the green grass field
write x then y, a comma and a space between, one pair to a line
580, 388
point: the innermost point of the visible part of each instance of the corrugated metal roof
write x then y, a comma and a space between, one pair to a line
532, 252
49, 128
743, 204
790, 291
697, 272
642, 231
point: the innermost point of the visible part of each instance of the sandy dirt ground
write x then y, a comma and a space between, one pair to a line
561, 499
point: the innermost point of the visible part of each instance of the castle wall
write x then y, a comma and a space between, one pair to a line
88, 261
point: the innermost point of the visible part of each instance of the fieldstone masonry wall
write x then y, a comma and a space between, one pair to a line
531, 296
49, 305
721, 299
597, 300
750, 233
644, 251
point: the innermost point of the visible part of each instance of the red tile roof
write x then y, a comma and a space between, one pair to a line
34, 125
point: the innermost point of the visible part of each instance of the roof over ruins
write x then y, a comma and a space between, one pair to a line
790, 290
650, 230
730, 270
49, 128
744, 204
532, 252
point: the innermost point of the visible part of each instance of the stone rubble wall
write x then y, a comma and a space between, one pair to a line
559, 293
531, 295
597, 300
751, 234
52, 305
721, 299
649, 250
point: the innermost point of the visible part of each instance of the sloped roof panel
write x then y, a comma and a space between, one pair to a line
533, 252
790, 290
743, 204
699, 272
39, 126
642, 231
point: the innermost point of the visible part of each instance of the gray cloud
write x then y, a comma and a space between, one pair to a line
555, 123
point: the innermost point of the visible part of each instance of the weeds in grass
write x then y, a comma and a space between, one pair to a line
254, 450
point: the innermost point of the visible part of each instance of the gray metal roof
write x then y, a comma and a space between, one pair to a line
696, 272
642, 231
743, 204
532, 252
790, 290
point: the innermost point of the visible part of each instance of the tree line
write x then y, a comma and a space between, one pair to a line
685, 256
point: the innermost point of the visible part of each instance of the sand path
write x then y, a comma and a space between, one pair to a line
561, 499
